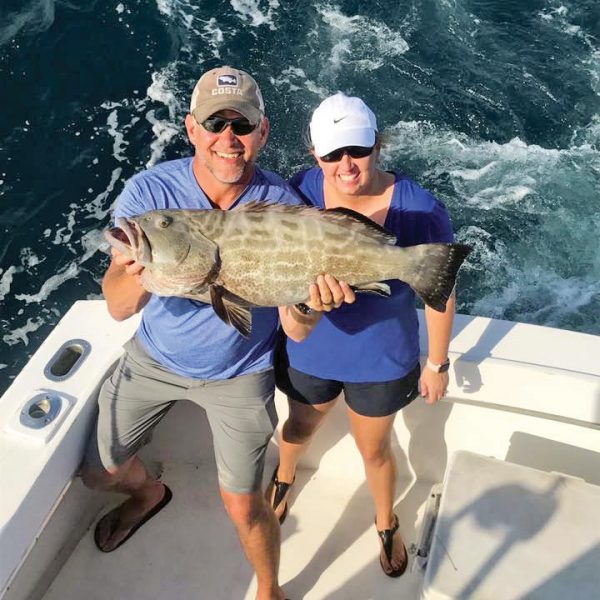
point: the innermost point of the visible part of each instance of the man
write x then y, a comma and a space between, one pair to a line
181, 342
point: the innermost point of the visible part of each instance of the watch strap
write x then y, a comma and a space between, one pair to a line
438, 368
303, 308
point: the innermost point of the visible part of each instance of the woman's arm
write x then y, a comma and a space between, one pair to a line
439, 330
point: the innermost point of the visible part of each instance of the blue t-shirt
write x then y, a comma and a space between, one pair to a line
374, 339
187, 336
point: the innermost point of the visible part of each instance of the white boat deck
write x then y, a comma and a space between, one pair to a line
519, 393
190, 550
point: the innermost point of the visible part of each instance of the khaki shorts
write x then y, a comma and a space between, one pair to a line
241, 413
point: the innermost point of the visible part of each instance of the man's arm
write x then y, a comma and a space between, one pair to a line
122, 288
325, 295
439, 329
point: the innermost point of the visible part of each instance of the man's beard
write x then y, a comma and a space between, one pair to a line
235, 177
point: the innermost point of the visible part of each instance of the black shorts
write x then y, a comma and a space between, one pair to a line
371, 399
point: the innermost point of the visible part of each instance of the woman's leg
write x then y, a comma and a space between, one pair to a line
302, 422
373, 439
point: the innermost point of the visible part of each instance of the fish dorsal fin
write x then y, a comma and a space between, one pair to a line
262, 205
231, 309
340, 214
370, 228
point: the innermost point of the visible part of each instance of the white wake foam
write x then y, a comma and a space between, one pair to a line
359, 40
6, 279
532, 259
559, 15
164, 130
21, 334
250, 12
294, 79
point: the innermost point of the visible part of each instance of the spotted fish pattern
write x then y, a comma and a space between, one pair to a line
262, 254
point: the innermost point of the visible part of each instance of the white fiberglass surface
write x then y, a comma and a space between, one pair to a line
190, 550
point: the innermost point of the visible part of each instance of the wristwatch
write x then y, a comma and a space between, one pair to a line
439, 368
303, 308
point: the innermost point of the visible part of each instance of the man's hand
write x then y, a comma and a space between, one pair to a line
433, 385
130, 267
122, 286
329, 293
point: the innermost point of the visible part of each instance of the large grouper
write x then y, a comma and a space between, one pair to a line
264, 254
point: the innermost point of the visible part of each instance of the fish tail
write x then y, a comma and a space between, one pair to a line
433, 271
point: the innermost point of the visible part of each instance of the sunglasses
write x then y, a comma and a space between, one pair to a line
238, 126
351, 151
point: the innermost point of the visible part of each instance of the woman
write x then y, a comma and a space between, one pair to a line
377, 383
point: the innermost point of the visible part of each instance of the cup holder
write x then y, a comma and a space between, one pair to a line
40, 410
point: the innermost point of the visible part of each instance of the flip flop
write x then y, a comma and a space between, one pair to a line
151, 513
387, 540
281, 489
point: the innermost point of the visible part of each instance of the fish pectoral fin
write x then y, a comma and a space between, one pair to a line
379, 289
200, 294
231, 309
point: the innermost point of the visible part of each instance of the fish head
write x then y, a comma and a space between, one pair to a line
178, 259
129, 240
154, 238
166, 234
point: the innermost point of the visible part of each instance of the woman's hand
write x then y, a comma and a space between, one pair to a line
329, 293
433, 385
324, 295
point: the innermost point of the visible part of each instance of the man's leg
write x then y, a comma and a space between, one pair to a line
132, 479
242, 416
131, 403
259, 535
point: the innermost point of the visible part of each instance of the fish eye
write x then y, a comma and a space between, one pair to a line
164, 222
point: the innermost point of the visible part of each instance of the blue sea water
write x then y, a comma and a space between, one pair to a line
494, 105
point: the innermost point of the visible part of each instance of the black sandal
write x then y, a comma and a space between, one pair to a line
113, 515
387, 539
281, 489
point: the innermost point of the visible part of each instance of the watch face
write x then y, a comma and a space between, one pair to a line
444, 367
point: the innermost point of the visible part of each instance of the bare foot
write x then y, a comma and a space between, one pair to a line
116, 525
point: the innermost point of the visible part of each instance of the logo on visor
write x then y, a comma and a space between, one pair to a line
227, 80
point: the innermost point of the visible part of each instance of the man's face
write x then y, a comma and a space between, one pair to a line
228, 157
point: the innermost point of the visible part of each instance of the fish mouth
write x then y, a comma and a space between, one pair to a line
129, 239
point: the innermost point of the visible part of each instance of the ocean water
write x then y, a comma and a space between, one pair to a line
494, 105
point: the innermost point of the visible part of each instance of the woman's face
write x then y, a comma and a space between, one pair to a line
351, 176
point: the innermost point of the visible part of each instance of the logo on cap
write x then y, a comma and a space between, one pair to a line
227, 80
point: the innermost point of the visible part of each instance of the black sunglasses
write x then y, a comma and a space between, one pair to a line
351, 151
240, 126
